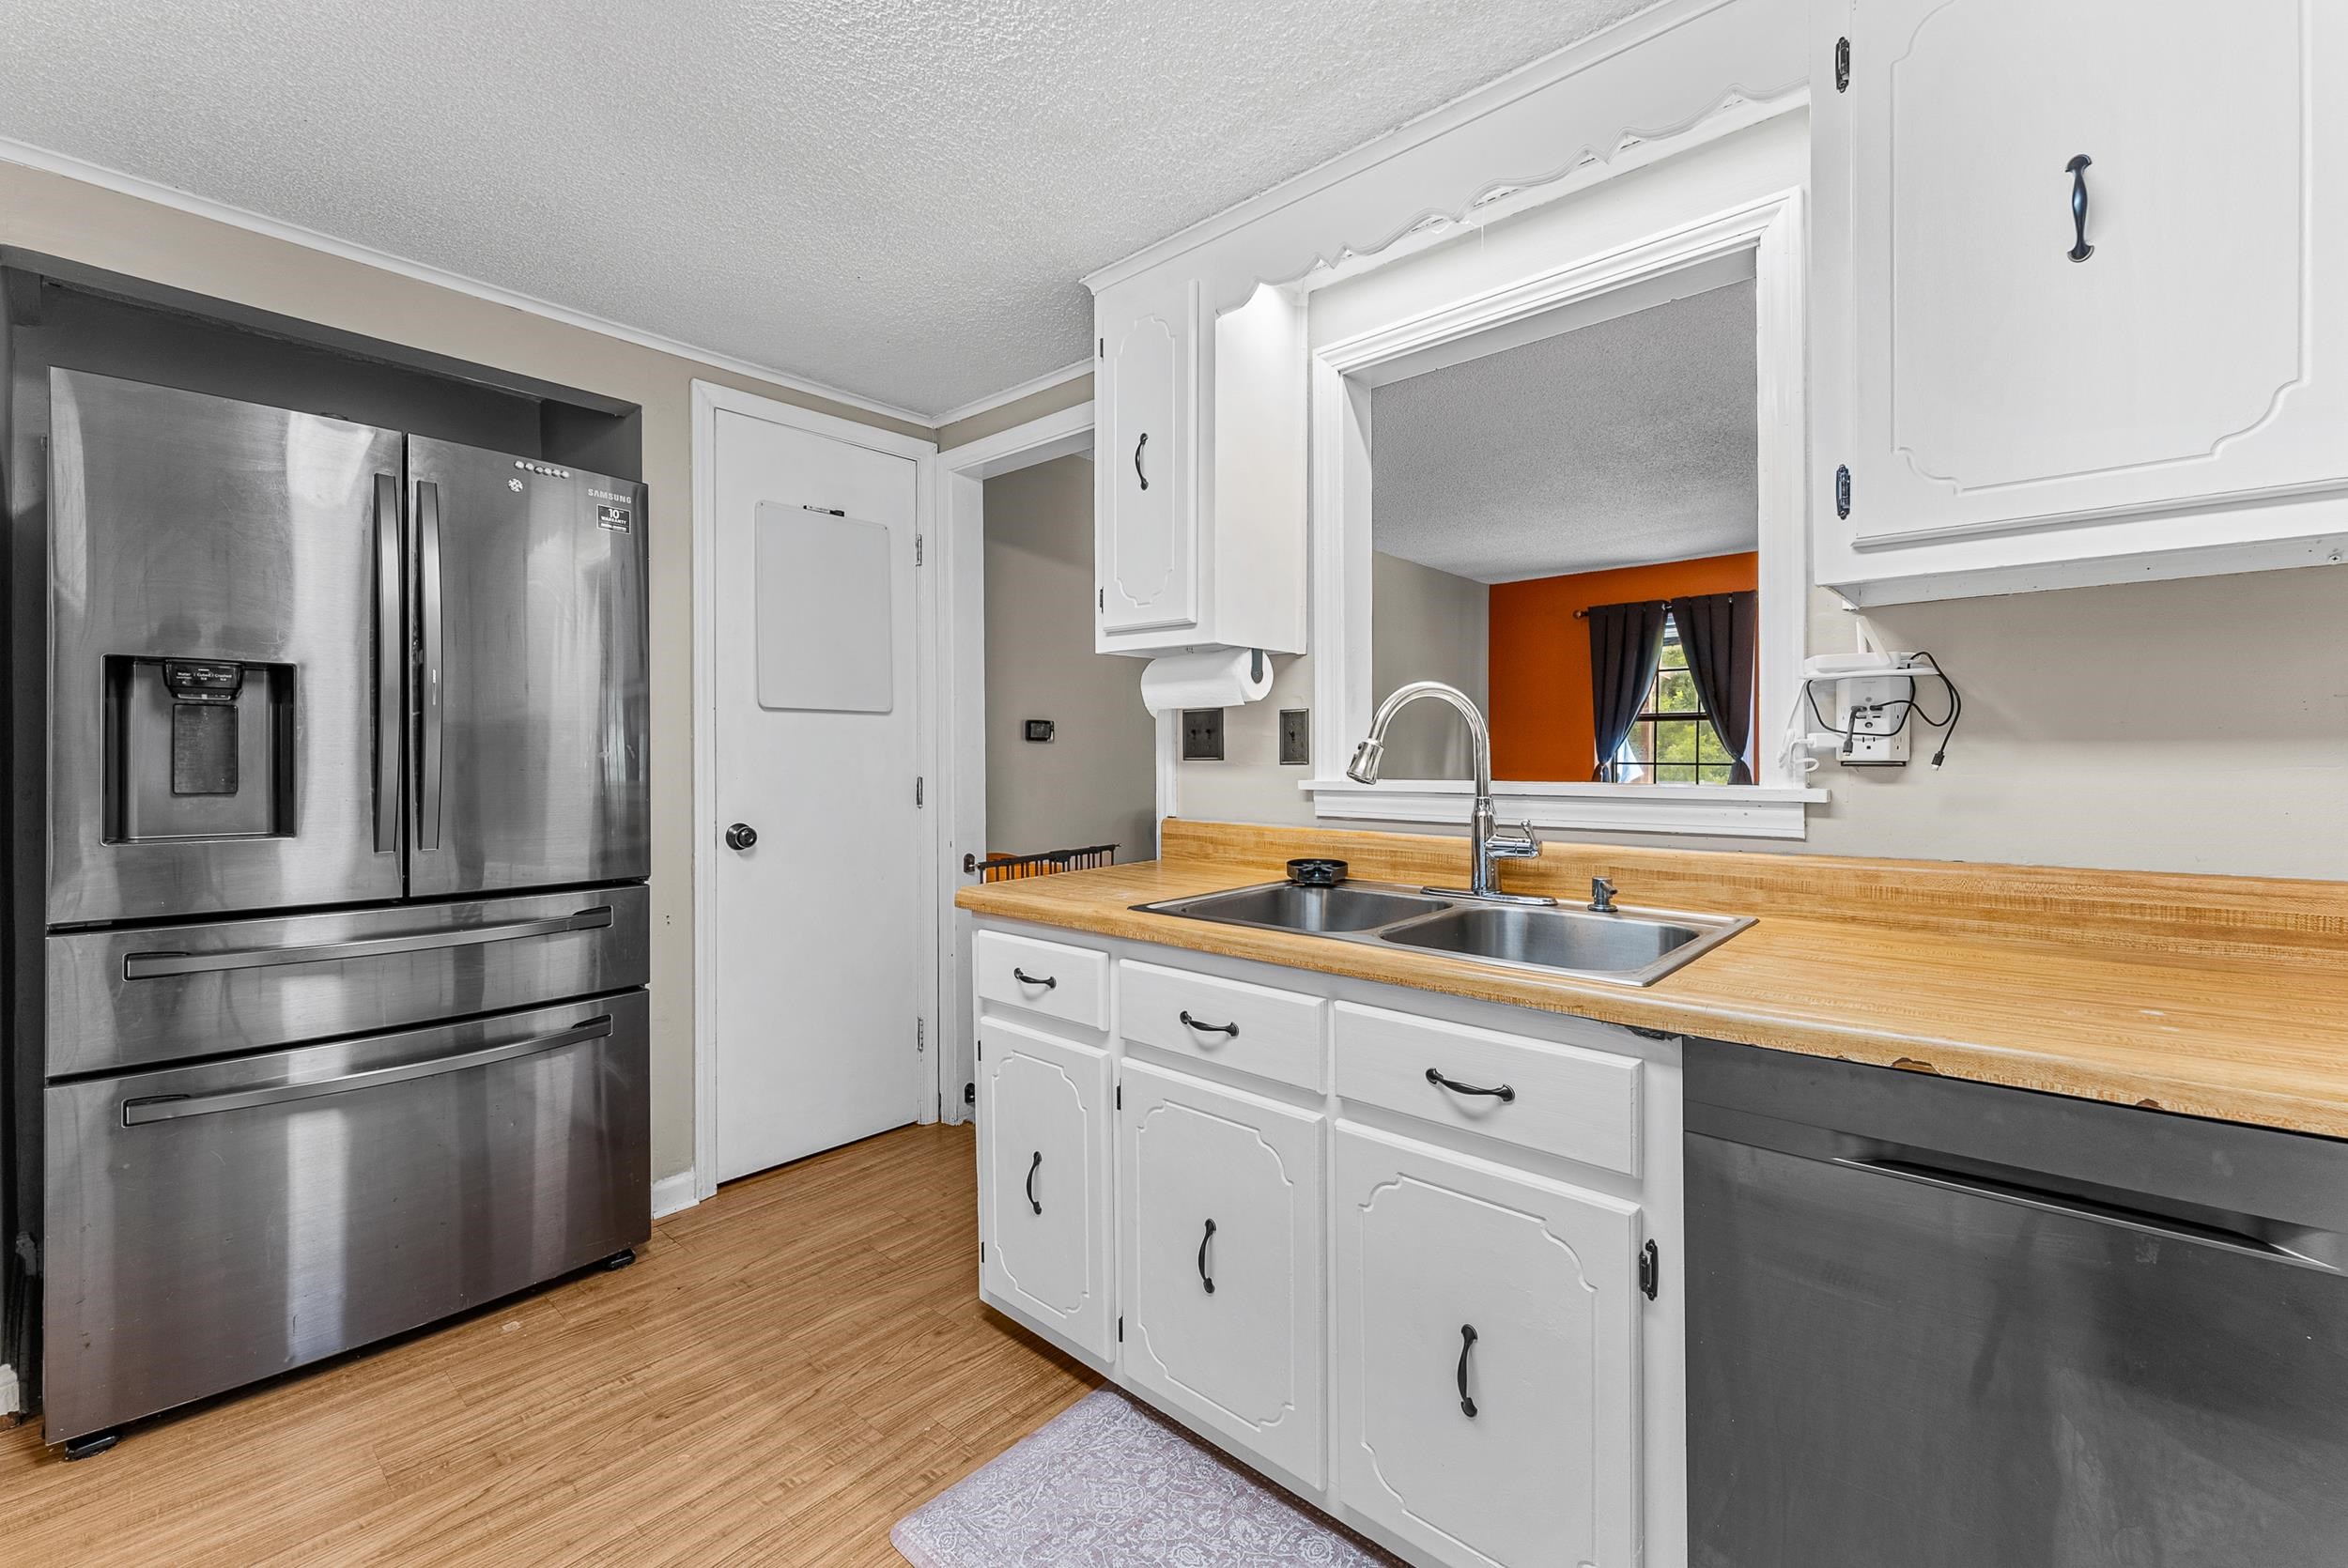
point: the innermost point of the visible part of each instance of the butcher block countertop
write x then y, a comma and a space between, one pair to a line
2211, 996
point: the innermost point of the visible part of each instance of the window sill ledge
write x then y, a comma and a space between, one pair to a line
1725, 810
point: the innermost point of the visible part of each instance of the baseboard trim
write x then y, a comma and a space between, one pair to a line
11, 1397
673, 1192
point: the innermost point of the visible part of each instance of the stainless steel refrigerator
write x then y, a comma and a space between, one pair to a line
346, 931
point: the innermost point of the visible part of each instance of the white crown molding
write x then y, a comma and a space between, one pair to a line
1029, 388
254, 222
1747, 20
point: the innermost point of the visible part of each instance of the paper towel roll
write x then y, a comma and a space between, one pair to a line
1223, 678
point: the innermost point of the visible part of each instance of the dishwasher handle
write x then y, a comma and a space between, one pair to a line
159, 1108
2084, 1208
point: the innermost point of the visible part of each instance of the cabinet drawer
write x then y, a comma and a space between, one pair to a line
1559, 1098
1047, 977
1272, 1033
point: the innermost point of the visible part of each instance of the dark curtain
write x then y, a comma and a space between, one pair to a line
1717, 631
1625, 640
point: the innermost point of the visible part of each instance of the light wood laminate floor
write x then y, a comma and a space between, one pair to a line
788, 1369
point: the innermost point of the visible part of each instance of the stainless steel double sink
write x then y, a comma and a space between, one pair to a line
1627, 946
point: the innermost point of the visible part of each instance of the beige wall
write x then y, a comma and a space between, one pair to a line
1095, 782
2194, 726
1427, 625
61, 217
1019, 410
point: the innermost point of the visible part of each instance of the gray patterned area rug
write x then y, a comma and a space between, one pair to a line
1106, 1484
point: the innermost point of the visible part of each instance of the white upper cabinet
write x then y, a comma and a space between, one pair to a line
2068, 322
1148, 565
1199, 532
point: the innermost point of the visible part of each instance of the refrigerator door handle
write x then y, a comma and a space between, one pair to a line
155, 966
159, 1108
428, 695
391, 651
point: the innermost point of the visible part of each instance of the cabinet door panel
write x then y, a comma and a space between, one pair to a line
1147, 531
1242, 1355
1429, 1244
1044, 1118
1997, 382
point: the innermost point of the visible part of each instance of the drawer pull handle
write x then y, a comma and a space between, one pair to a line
1033, 1202
1467, 1343
2081, 250
1046, 981
1503, 1094
1138, 446
1204, 1278
1230, 1029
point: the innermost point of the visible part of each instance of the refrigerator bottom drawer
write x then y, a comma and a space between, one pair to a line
209, 1226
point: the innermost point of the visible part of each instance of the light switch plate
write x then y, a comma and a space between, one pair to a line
1296, 738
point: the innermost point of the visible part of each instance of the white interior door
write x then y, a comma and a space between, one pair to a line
821, 934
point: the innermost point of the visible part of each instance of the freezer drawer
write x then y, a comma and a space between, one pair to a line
121, 999
208, 1226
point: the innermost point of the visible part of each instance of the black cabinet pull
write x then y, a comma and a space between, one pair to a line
1230, 1029
1033, 1202
2081, 250
1467, 1343
1204, 1278
1503, 1094
1046, 981
1138, 446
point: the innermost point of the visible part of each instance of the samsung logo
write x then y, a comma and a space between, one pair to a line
606, 495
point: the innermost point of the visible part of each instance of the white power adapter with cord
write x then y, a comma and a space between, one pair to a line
1872, 695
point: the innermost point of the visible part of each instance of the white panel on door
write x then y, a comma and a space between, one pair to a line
1044, 1216
1148, 538
1219, 1263
825, 603
1999, 380
1454, 1273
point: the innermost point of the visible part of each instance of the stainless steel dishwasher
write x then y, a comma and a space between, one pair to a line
1944, 1325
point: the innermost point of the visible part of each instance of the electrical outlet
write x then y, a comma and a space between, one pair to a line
1878, 731
1296, 738
1202, 734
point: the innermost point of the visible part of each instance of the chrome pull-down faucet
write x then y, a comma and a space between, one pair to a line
1486, 839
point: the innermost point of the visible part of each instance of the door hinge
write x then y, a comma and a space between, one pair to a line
1842, 491
980, 1047
918, 782
981, 1252
1100, 349
1120, 1331
1121, 1096
921, 1036
1650, 1271
1842, 65
1101, 600
917, 549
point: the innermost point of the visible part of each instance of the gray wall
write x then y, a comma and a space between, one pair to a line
2194, 726
1427, 625
1095, 782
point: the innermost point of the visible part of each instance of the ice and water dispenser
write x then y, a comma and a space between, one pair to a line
198, 748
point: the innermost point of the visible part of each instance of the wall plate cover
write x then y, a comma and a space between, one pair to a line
1202, 734
1296, 738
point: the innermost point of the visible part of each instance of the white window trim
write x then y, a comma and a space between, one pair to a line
1771, 229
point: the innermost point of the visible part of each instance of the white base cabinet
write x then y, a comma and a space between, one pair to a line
1043, 1183
1488, 1356
1236, 1191
1219, 1261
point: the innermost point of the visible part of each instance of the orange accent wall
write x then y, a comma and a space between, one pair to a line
1541, 657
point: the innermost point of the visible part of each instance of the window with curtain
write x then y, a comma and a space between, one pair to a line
1673, 740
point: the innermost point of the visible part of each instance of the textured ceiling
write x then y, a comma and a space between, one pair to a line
1619, 444
895, 197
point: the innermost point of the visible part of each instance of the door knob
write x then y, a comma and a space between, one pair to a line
741, 836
